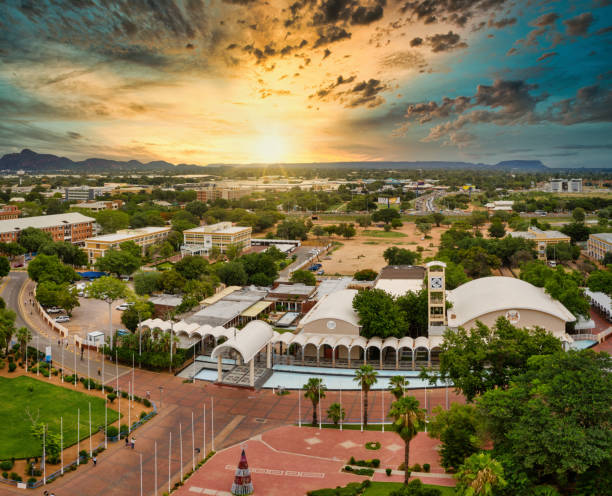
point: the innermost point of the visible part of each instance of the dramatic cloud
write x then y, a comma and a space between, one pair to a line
365, 93
545, 56
579, 25
445, 42
502, 23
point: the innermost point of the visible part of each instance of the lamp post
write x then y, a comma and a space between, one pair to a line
161, 390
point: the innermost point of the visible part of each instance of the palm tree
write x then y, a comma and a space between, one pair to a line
397, 386
314, 390
366, 376
336, 413
24, 336
407, 418
480, 475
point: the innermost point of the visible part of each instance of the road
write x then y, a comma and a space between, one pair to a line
13, 294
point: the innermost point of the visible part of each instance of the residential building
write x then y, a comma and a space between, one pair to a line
83, 193
143, 237
500, 206
542, 239
599, 244
9, 212
72, 227
291, 297
98, 206
565, 185
222, 235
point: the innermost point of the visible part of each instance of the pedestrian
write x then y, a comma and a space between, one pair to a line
127, 441
133, 442
98, 371
148, 395
94, 460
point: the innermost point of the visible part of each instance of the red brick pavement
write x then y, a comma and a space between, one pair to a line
248, 413
292, 460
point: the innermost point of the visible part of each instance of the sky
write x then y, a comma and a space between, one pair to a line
249, 81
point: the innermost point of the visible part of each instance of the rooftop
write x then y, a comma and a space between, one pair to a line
607, 237
327, 286
43, 221
402, 272
219, 313
129, 233
167, 300
338, 305
298, 289
218, 228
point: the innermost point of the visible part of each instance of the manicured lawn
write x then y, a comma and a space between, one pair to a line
384, 488
164, 266
45, 403
382, 234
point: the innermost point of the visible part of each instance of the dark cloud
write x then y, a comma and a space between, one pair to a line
502, 23
604, 30
545, 20
591, 104
445, 42
545, 56
74, 135
364, 93
349, 11
579, 25
457, 12
607, 146
189, 46
414, 42
404, 60
330, 34
327, 53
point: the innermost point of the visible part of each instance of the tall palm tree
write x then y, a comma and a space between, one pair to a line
24, 336
366, 376
397, 386
314, 390
336, 413
407, 418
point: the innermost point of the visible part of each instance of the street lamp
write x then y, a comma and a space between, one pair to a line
161, 390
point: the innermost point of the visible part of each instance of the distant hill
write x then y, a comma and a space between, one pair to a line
31, 161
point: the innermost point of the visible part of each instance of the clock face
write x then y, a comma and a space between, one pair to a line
435, 283
331, 324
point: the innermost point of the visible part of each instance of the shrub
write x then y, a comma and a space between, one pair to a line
388, 471
426, 467
143, 415
373, 445
112, 431
368, 472
5, 475
348, 468
146, 403
108, 389
6, 465
111, 397
124, 394
16, 477
31, 480
84, 453
352, 460
375, 463
416, 468
12, 366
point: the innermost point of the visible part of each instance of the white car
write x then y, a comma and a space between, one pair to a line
54, 310
123, 307
62, 318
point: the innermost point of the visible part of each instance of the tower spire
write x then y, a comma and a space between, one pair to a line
242, 480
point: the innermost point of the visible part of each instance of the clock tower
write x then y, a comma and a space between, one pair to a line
436, 301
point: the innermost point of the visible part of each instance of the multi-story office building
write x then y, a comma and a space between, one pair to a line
222, 235
565, 185
71, 227
542, 239
9, 212
83, 193
599, 244
144, 237
211, 193
98, 206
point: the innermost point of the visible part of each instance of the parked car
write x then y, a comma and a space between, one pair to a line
122, 332
54, 310
62, 318
125, 278
123, 307
320, 272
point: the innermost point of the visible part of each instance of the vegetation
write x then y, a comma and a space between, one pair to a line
481, 475
366, 377
304, 277
365, 275
335, 413
314, 390
407, 420
400, 256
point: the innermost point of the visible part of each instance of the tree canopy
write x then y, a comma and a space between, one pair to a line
378, 314
305, 277
400, 256
49, 268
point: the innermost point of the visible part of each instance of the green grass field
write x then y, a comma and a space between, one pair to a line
384, 488
46, 403
382, 234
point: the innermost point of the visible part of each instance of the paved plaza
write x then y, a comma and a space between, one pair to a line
292, 460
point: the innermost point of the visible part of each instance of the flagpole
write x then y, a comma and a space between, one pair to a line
340, 409
140, 474
382, 392
361, 408
181, 449
169, 461
129, 409
78, 435
90, 450
105, 423
300, 408
203, 431
75, 372
192, 444
155, 459
319, 405
62, 444
117, 369
212, 424
44, 460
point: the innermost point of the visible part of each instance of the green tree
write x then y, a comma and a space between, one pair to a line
233, 252
304, 277
365, 275
416, 488
480, 475
7, 327
192, 267
601, 281
378, 314
497, 229
455, 275
24, 336
553, 422
335, 413
458, 430
67, 252
415, 309
232, 274
478, 262
32, 239
366, 377
5, 267
484, 358
141, 309
437, 218
364, 220
578, 214
196, 208
292, 229
318, 231
396, 223
398, 385
562, 252
314, 390
423, 226
118, 262
49, 268
385, 215
478, 218
400, 256
146, 283
172, 281
112, 220
407, 420
578, 231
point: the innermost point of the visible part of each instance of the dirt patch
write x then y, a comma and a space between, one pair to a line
365, 251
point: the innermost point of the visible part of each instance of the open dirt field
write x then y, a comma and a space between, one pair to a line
365, 251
